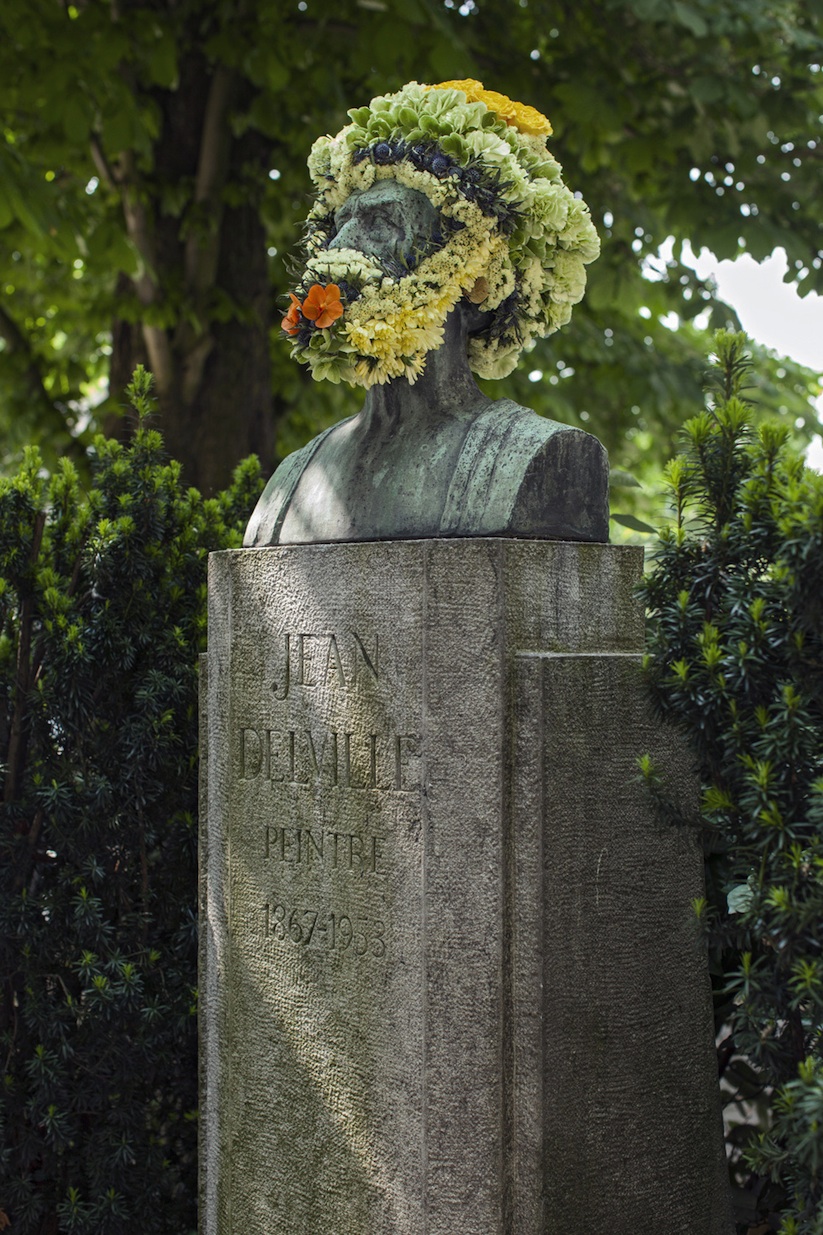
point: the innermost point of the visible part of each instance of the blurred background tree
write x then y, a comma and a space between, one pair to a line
153, 182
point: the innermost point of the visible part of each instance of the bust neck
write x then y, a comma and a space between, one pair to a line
445, 390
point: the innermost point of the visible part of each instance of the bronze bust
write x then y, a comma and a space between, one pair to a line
416, 274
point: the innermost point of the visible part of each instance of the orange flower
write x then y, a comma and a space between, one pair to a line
291, 322
322, 305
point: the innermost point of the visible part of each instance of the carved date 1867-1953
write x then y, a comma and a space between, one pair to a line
328, 931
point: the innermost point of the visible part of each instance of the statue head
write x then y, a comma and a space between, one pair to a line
390, 222
433, 196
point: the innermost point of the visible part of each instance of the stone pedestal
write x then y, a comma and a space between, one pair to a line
451, 982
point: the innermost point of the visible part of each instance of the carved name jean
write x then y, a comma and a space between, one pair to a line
450, 974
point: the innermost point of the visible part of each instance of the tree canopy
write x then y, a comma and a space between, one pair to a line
153, 182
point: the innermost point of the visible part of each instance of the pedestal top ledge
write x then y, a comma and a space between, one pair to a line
553, 596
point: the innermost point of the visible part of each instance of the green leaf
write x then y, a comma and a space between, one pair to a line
75, 119
649, 9
707, 89
28, 207
619, 479
161, 61
636, 525
6, 209
691, 18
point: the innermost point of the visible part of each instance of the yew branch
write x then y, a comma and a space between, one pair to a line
17, 733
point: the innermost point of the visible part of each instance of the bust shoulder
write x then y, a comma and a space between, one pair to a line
266, 521
516, 474
520, 474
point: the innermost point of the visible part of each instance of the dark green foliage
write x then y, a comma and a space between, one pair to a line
102, 614
153, 184
736, 661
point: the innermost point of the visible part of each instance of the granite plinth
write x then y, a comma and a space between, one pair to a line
451, 975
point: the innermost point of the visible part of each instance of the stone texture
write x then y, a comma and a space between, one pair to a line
451, 975
388, 221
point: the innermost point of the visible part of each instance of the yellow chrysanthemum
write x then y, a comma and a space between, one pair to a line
472, 89
524, 118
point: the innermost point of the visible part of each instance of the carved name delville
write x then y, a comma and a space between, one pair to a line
325, 758
341, 661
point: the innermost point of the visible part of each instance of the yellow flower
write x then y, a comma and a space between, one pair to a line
524, 118
472, 89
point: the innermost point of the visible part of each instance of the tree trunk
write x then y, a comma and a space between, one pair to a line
229, 413
205, 278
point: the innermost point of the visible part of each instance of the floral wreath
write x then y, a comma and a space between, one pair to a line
513, 238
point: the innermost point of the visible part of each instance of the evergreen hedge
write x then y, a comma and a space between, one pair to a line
736, 661
102, 615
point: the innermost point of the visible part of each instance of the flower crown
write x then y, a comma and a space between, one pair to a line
513, 238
